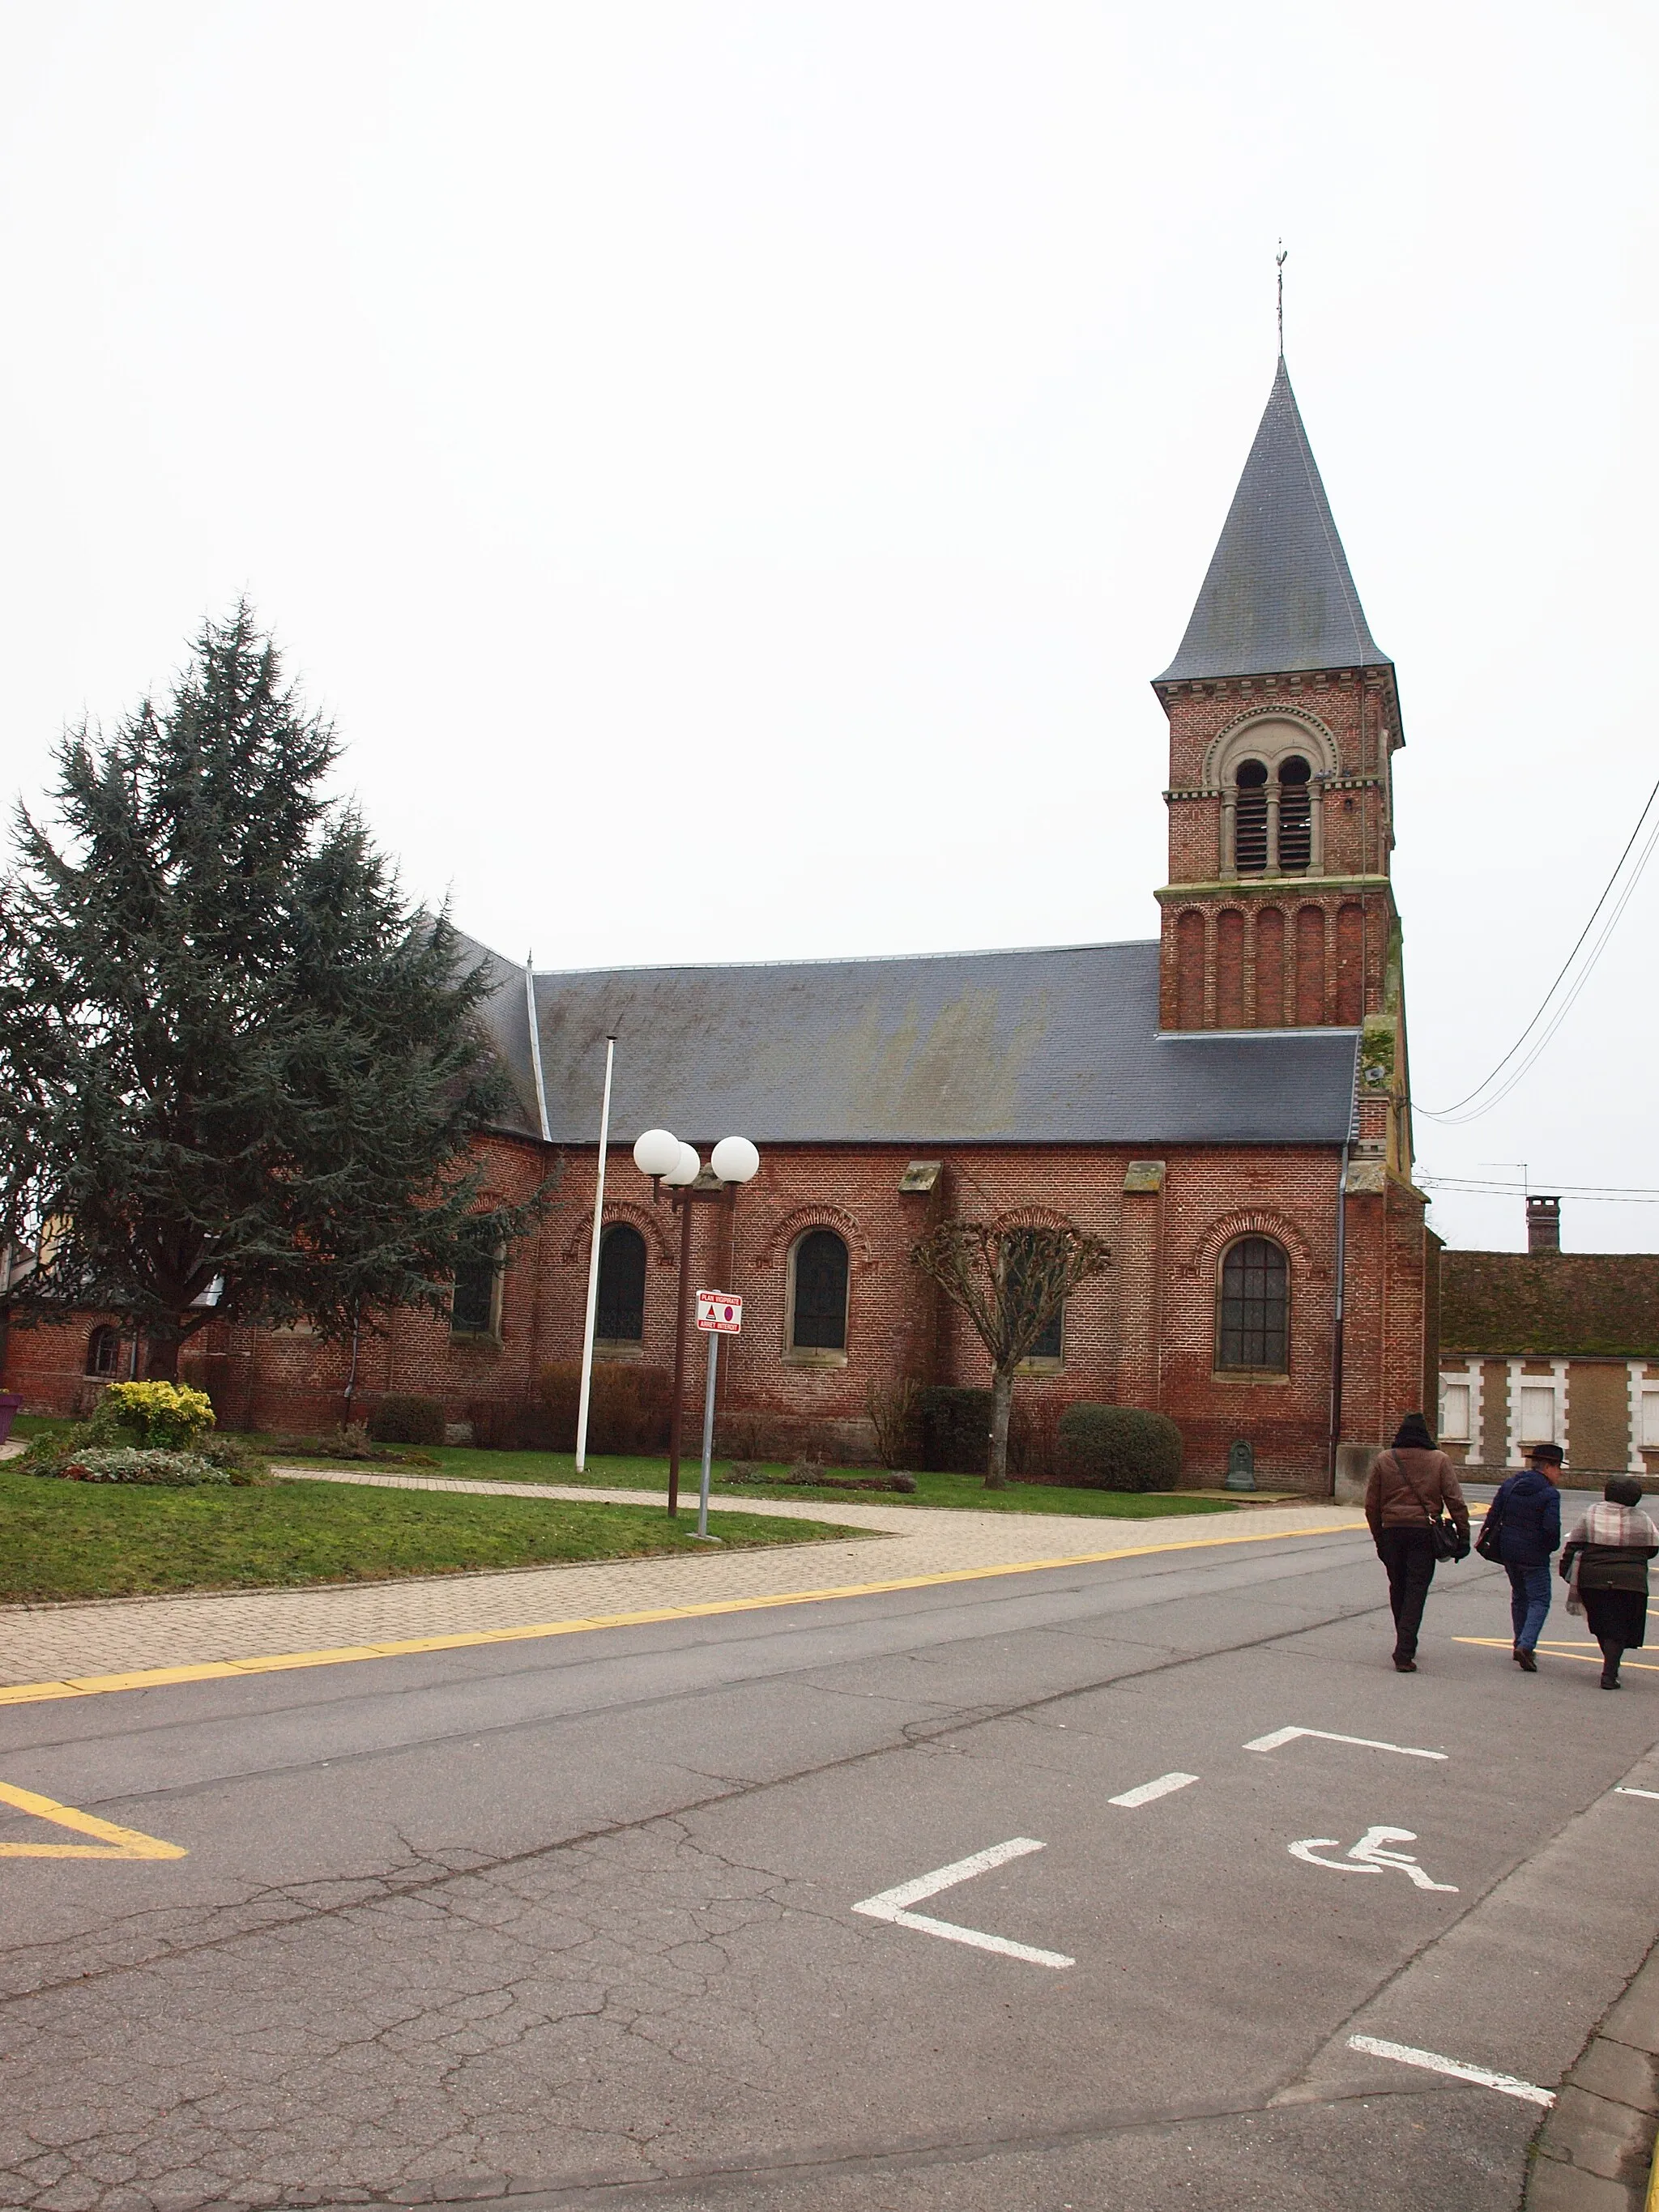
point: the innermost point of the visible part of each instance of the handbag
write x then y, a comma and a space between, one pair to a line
1450, 1542
1489, 1543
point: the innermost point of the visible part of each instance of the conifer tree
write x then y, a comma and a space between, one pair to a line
234, 1065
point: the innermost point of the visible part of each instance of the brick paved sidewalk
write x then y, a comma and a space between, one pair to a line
49, 1643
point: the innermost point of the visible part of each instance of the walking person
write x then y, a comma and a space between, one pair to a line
1606, 1567
1411, 1494
1522, 1529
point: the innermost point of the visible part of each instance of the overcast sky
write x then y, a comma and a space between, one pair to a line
731, 471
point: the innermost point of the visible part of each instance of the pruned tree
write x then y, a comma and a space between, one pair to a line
1010, 1283
238, 1076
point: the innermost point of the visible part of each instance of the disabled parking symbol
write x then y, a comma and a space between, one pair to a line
1368, 1856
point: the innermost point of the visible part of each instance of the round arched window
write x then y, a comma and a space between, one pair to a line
818, 1307
1253, 1308
621, 1318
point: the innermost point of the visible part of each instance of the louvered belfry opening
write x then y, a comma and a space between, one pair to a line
1295, 817
1250, 820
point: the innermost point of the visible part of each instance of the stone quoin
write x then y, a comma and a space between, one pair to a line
1227, 1105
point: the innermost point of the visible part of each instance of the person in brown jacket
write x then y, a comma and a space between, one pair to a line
1411, 1485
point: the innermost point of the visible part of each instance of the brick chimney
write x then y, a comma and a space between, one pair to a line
1543, 1225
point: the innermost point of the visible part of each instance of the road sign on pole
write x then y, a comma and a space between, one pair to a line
720, 1312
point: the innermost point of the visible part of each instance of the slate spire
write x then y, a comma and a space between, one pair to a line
1279, 595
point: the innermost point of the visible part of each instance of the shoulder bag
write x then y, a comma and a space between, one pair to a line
1450, 1542
1489, 1543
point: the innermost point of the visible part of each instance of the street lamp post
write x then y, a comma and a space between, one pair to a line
661, 1156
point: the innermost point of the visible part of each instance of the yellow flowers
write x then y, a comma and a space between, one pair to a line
166, 1416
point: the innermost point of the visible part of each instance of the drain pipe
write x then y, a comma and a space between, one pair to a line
1341, 1288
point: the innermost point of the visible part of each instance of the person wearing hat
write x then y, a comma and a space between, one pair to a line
1521, 1530
1411, 1487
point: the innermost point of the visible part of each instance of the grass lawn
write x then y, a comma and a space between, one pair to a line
78, 1539
956, 1490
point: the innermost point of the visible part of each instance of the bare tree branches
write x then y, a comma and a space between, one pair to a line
1010, 1283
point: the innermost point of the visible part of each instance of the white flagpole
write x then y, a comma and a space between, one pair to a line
594, 1265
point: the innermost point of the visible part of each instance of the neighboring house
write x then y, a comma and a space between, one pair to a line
1546, 1347
1226, 1104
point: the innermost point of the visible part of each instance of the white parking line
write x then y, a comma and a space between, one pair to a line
1622, 1791
1146, 1792
1505, 2084
892, 1905
1365, 1742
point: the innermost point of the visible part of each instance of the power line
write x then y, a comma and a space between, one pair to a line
1455, 1113
1580, 1193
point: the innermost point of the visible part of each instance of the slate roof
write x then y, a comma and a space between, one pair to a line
1050, 1046
1279, 595
1552, 1305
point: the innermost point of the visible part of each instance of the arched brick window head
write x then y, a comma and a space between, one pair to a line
621, 1284
1250, 820
104, 1352
1295, 815
819, 1318
1253, 1308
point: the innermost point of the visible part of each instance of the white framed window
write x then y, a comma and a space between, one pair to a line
1650, 1420
1538, 1413
1454, 1412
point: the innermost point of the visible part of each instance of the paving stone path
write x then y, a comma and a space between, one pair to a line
49, 1642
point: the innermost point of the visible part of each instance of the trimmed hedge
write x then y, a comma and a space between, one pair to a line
956, 1429
1118, 1448
407, 1421
628, 1410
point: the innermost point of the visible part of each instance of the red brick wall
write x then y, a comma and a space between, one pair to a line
1144, 1334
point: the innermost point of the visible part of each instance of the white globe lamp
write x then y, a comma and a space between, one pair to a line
686, 1171
657, 1153
734, 1159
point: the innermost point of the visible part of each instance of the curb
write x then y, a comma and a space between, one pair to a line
1597, 2151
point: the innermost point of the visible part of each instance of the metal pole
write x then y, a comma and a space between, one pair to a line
683, 1200
707, 1431
593, 1264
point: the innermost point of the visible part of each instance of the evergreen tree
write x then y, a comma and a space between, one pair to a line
229, 1054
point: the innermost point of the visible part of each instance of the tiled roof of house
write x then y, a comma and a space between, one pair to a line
1049, 1045
1279, 595
1555, 1305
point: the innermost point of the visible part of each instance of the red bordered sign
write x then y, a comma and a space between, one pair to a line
720, 1312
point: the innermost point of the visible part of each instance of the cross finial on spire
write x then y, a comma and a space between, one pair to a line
1278, 263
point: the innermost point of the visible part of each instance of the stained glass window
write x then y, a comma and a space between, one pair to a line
1255, 1306
820, 1315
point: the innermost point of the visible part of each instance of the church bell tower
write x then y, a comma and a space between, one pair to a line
1284, 717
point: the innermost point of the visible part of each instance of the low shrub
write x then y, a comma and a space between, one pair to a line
351, 1442
153, 1416
515, 1426
1034, 1437
807, 1470
629, 1406
1119, 1448
241, 1462
400, 1420
894, 1410
170, 1470
956, 1429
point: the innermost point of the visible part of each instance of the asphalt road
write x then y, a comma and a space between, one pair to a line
577, 1917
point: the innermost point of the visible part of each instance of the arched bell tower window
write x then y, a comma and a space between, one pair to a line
1295, 815
1269, 773
1250, 820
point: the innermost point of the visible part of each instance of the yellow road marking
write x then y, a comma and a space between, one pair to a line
219, 1671
1590, 1656
117, 1843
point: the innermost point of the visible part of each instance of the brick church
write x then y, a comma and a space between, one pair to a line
1226, 1104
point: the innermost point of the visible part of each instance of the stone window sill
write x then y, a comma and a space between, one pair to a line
813, 1356
475, 1339
1042, 1366
618, 1348
1251, 1374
